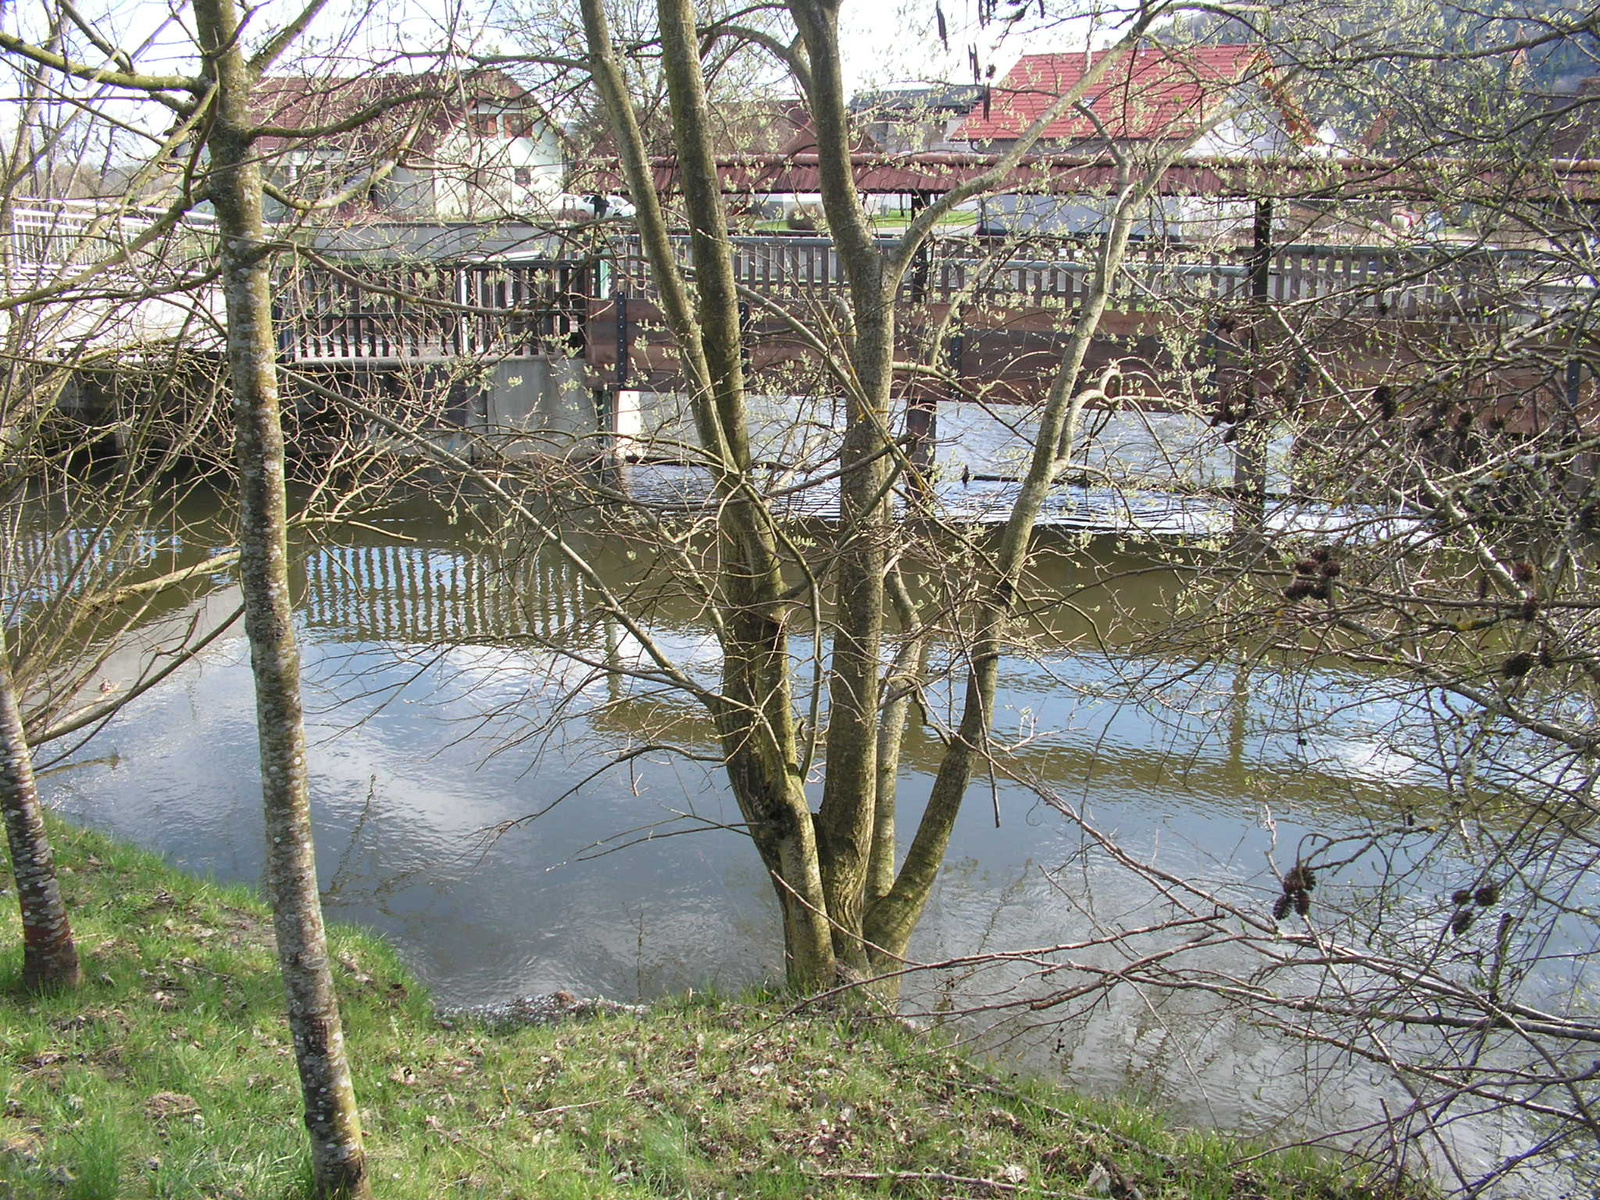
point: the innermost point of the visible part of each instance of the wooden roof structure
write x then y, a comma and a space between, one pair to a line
1301, 177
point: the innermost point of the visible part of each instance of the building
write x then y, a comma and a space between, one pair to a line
916, 120
412, 147
1203, 100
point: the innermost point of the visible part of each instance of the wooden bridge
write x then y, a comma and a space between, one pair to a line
1003, 318
991, 317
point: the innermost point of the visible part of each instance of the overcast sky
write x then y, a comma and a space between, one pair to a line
885, 41
897, 41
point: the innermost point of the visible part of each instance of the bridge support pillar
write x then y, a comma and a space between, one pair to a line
1253, 427
922, 430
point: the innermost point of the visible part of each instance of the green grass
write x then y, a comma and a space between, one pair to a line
170, 1075
896, 222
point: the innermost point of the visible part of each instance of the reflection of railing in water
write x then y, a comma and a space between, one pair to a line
41, 564
410, 593
387, 592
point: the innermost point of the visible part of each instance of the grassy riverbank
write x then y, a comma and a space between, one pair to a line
170, 1074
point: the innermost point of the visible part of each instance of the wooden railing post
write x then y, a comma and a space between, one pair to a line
924, 259
1253, 427
621, 302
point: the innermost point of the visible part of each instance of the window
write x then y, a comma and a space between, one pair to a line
522, 176
486, 124
519, 124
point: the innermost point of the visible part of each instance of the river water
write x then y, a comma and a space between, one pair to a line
440, 724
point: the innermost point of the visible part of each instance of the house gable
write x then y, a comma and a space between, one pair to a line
434, 147
1148, 95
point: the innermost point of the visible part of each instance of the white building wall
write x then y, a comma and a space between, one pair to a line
482, 176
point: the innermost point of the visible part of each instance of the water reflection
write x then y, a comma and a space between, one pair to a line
440, 719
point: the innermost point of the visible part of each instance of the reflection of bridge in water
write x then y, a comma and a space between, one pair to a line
407, 592
379, 591
46, 559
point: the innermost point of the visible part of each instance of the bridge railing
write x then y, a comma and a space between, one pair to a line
437, 310
43, 236
422, 311
1437, 283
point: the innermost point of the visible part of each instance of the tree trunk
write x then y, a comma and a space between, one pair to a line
755, 716
339, 1163
906, 675
758, 727
49, 955
848, 815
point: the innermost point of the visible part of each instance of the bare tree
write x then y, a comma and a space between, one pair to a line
1430, 529
848, 900
207, 153
50, 955
65, 607
235, 186
1420, 574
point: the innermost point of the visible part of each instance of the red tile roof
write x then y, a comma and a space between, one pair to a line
1154, 93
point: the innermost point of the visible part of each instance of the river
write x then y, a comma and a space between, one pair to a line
440, 724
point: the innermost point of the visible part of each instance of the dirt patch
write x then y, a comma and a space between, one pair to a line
164, 1106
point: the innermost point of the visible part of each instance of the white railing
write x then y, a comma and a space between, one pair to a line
49, 234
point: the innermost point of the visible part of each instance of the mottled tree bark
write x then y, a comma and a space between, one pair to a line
338, 1160
49, 955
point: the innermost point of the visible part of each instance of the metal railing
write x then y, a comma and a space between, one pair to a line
50, 234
